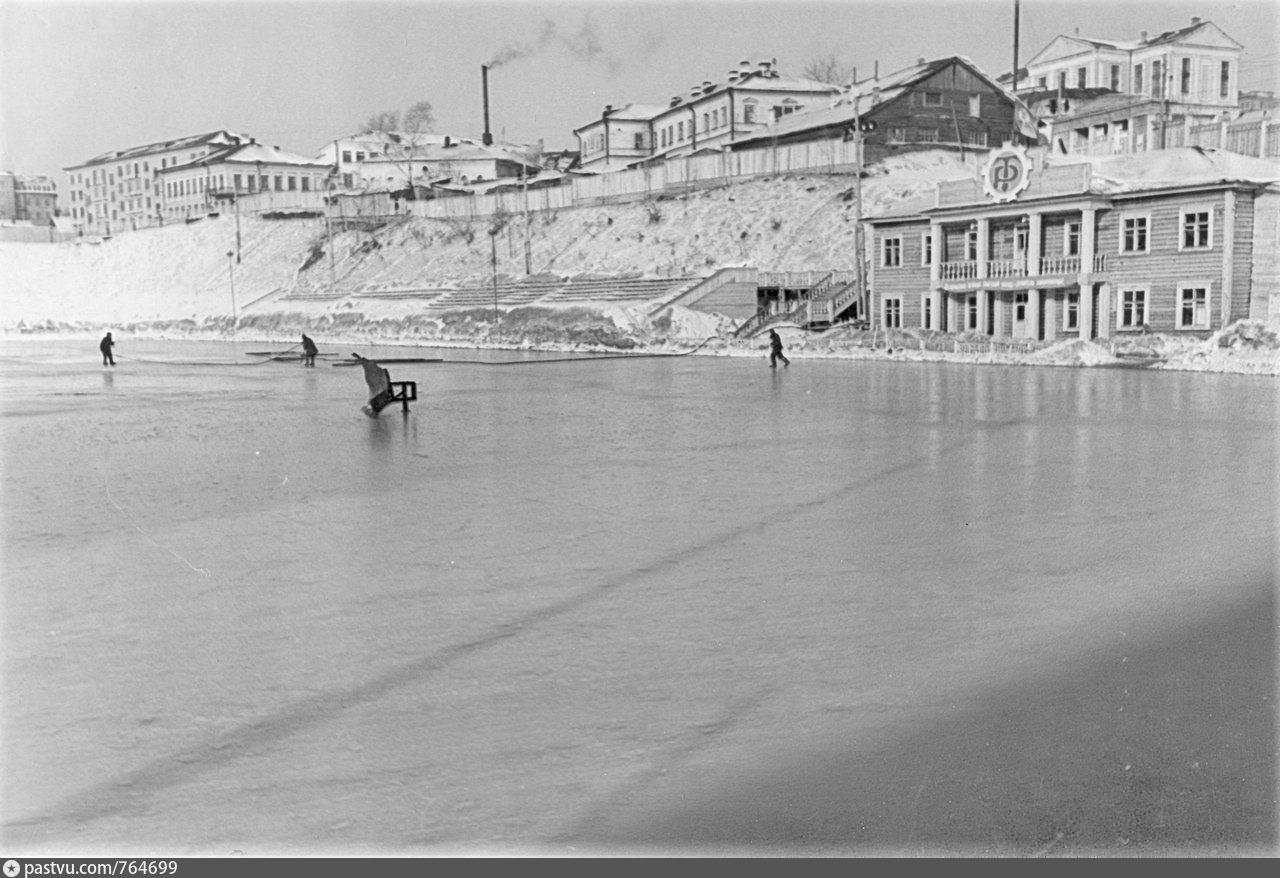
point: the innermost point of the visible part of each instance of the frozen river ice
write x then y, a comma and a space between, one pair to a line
648, 603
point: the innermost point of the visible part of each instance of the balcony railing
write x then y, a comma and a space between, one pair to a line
1060, 265
967, 270
1006, 268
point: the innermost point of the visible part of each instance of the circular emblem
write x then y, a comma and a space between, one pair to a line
1007, 173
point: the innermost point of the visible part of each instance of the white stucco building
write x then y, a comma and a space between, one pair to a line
1107, 97
710, 116
394, 161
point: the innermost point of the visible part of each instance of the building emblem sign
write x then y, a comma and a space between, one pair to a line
1007, 173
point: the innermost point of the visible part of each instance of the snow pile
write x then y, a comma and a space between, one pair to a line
1072, 352
1246, 346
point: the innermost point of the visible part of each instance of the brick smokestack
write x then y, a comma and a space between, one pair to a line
484, 82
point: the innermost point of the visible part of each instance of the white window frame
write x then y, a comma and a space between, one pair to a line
1185, 212
1182, 289
1125, 217
1144, 298
1071, 312
884, 252
926, 310
1021, 302
972, 319
1068, 235
891, 309
926, 249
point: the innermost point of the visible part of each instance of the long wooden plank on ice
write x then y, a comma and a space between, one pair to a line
381, 360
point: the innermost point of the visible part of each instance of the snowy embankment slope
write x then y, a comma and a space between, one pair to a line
185, 280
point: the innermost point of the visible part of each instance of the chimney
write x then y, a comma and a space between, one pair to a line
1195, 19
484, 80
1144, 36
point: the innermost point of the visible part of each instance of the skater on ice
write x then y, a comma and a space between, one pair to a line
309, 351
379, 381
108, 359
775, 351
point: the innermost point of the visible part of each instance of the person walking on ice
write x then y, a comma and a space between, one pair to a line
379, 381
108, 359
775, 351
309, 351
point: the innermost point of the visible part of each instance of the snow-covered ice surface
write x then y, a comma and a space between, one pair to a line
661, 603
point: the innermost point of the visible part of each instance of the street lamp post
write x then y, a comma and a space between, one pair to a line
231, 277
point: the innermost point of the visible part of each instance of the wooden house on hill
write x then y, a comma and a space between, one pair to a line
948, 102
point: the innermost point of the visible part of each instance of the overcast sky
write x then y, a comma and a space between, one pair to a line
80, 79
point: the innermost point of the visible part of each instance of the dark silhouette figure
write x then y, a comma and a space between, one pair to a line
379, 381
309, 351
108, 359
775, 351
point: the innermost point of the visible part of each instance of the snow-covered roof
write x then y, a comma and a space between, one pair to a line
542, 180
761, 77
441, 148
881, 91
1138, 173
637, 112
1183, 166
250, 153
214, 138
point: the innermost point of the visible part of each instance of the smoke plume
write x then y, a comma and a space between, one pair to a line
585, 44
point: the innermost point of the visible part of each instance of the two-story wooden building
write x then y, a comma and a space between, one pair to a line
940, 103
1040, 248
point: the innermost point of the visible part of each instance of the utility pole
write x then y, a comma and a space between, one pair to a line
493, 268
528, 256
1013, 137
231, 276
328, 224
859, 275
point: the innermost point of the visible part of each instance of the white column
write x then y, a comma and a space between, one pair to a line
935, 265
982, 312
984, 229
1050, 317
1033, 311
997, 328
1227, 243
935, 275
1088, 230
1104, 311
1034, 245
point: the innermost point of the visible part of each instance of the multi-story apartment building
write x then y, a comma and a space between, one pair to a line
396, 161
1043, 249
160, 182
116, 191
28, 199
710, 116
1103, 97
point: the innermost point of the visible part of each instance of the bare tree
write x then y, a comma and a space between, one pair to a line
829, 69
403, 136
387, 120
419, 118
